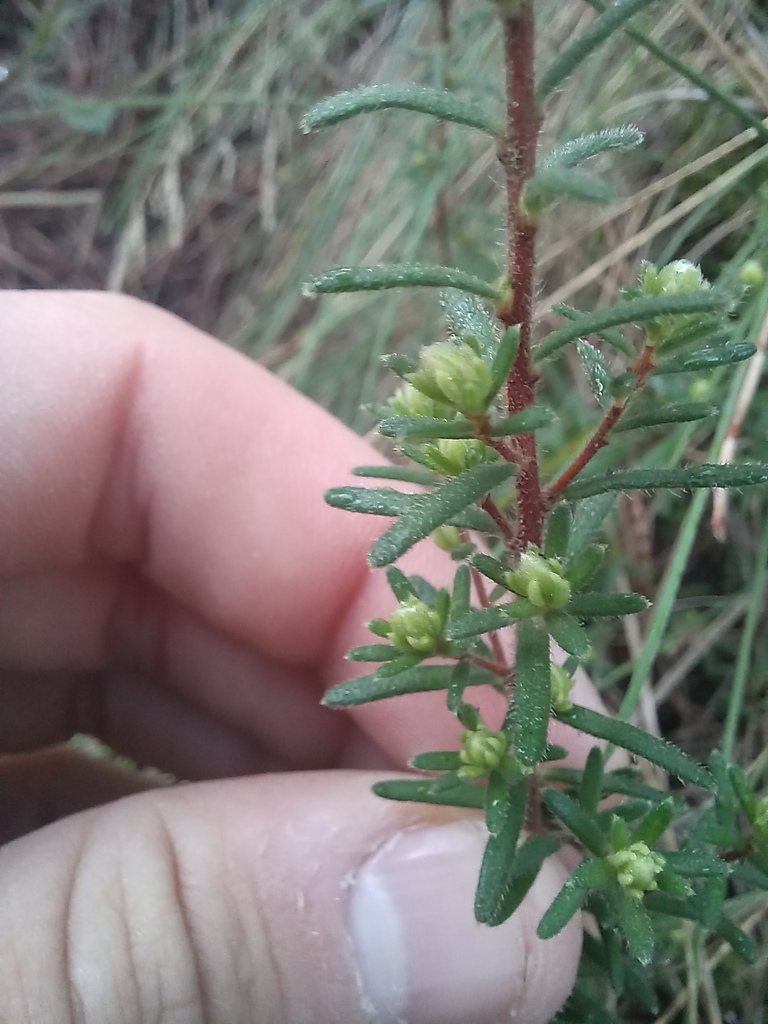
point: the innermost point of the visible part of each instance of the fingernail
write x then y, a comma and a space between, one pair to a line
421, 956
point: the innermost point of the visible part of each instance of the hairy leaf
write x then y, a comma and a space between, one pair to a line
566, 631
437, 761
504, 357
646, 307
421, 679
686, 478
673, 412
584, 147
708, 358
440, 103
622, 734
425, 513
486, 620
532, 692
407, 474
594, 606
499, 856
597, 372
425, 792
585, 826
397, 275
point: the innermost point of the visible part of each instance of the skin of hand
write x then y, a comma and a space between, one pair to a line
172, 583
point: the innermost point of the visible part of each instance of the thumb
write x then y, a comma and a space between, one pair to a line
285, 899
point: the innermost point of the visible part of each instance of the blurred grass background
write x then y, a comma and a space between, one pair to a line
154, 148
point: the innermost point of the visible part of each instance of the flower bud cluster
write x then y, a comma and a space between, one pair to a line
455, 374
452, 456
408, 401
681, 277
636, 868
482, 751
541, 580
415, 627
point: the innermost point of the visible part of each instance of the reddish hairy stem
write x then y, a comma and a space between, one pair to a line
499, 670
518, 158
643, 369
482, 596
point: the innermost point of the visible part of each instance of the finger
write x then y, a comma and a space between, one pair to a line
291, 899
206, 475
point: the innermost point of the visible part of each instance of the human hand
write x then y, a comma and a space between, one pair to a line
172, 582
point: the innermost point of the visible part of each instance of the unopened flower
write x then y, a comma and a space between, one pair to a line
636, 868
415, 627
561, 685
540, 580
482, 751
456, 372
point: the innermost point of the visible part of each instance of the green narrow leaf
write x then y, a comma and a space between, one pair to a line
528, 860
424, 792
426, 512
591, 787
589, 875
491, 567
588, 518
524, 422
496, 802
462, 586
584, 826
597, 372
399, 584
707, 359
638, 929
610, 335
686, 478
584, 147
674, 906
422, 426
503, 358
569, 59
558, 532
397, 275
622, 734
458, 682
532, 692
655, 824
499, 856
569, 634
399, 364
583, 566
697, 865
437, 761
679, 412
487, 620
423, 99
415, 427
407, 474
374, 501
551, 184
595, 606
647, 307
374, 652
422, 679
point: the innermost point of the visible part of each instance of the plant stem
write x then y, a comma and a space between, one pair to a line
518, 158
643, 369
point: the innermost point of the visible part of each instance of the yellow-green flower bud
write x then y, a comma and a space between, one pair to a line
636, 869
447, 537
541, 580
752, 274
459, 373
681, 277
408, 401
482, 751
415, 627
560, 688
454, 455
